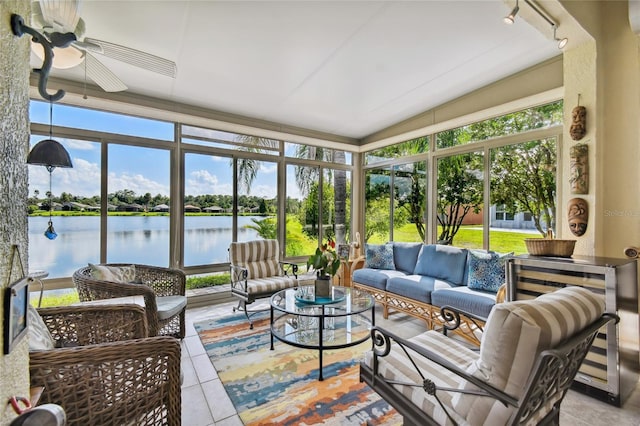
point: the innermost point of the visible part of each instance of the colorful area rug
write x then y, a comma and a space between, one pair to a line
281, 386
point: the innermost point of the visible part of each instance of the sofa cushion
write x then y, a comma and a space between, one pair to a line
376, 278
444, 262
514, 335
405, 256
416, 287
486, 270
379, 256
474, 302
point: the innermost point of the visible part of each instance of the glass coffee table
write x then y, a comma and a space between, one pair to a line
341, 320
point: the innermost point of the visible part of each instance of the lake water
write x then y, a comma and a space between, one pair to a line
130, 239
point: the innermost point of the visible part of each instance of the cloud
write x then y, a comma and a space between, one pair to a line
138, 183
82, 180
201, 182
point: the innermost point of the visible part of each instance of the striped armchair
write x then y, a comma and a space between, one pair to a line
529, 355
257, 272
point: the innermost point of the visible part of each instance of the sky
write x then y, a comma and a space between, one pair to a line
136, 168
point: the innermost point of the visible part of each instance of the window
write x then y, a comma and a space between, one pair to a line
137, 232
75, 195
403, 149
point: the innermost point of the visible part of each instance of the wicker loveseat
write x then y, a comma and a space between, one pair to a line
530, 353
103, 369
422, 279
257, 272
163, 290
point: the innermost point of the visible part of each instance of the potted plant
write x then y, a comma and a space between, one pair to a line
325, 262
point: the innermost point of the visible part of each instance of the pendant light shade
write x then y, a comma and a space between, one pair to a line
49, 153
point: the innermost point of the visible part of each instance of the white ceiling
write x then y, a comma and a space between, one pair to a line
349, 68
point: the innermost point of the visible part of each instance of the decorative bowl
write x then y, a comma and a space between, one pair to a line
550, 247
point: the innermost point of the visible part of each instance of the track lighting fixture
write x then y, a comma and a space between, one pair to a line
510, 18
562, 42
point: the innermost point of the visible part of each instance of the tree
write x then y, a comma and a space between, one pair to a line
523, 179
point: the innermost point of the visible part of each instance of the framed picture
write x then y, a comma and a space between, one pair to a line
343, 251
16, 300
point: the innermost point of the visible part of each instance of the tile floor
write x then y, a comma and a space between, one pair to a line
205, 402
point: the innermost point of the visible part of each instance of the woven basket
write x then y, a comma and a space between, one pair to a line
550, 247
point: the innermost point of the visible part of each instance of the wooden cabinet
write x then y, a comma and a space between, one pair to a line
610, 371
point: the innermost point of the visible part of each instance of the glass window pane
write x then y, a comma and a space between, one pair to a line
509, 124
303, 198
310, 152
336, 205
208, 186
523, 189
102, 121
377, 206
76, 216
410, 184
459, 203
228, 140
403, 149
138, 223
257, 200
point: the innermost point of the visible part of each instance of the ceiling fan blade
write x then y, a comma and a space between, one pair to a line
137, 58
62, 15
88, 47
103, 77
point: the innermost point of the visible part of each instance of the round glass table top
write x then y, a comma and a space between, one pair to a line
302, 301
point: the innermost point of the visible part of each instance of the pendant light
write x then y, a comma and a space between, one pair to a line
51, 154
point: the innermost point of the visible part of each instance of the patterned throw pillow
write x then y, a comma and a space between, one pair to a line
39, 337
379, 256
486, 270
118, 274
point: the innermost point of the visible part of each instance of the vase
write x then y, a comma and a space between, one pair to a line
323, 286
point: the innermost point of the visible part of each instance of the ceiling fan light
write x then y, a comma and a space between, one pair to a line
63, 59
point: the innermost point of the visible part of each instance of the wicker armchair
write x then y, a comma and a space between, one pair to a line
104, 370
163, 290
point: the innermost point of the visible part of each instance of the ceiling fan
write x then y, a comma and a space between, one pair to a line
61, 23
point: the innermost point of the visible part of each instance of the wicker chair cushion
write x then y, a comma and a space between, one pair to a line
169, 306
118, 274
514, 335
39, 337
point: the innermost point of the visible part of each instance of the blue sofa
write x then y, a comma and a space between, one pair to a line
419, 279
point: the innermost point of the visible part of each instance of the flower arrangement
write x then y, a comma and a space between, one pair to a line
325, 261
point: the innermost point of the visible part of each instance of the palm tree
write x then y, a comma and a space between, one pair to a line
304, 176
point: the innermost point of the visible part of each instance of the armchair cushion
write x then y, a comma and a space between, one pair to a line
260, 258
39, 336
170, 306
118, 274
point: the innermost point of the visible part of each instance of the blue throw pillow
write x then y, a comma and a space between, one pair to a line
379, 256
486, 270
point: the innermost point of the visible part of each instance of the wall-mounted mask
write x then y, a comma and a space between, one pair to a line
578, 127
578, 215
